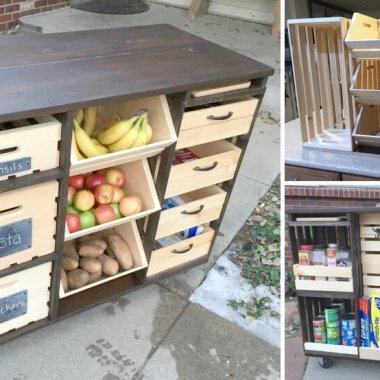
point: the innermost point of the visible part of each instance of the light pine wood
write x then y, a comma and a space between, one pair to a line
219, 90
370, 263
332, 348
371, 280
367, 127
370, 291
173, 221
372, 218
325, 286
370, 245
183, 178
130, 234
369, 353
322, 270
38, 141
38, 203
159, 119
197, 7
139, 182
368, 232
36, 281
163, 259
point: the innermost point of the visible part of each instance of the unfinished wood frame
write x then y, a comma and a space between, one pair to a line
367, 126
321, 65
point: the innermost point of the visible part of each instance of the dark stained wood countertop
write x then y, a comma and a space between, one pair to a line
51, 73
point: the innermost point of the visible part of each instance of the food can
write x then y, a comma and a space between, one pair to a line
320, 337
333, 325
349, 342
331, 314
333, 335
340, 303
349, 334
348, 321
319, 323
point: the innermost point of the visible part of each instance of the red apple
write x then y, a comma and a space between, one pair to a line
104, 214
84, 200
73, 222
118, 194
77, 181
115, 177
130, 204
70, 195
93, 180
104, 194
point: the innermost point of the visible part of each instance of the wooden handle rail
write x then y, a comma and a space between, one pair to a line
183, 250
207, 168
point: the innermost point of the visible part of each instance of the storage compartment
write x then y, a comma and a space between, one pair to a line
217, 162
159, 119
216, 122
130, 234
180, 253
27, 223
363, 36
138, 181
321, 73
24, 297
367, 126
202, 206
365, 84
29, 145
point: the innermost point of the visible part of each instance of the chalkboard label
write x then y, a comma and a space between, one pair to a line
13, 306
15, 166
15, 237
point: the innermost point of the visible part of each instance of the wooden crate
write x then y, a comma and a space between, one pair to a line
130, 234
24, 297
139, 182
363, 37
159, 118
202, 206
27, 223
217, 163
321, 66
218, 122
321, 282
370, 252
180, 253
365, 84
367, 126
30, 145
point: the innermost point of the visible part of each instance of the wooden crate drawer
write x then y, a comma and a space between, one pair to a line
29, 145
140, 182
203, 205
217, 163
170, 257
27, 223
365, 84
298, 173
24, 297
216, 123
159, 119
130, 234
321, 274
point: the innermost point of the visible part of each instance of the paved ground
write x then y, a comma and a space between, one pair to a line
155, 333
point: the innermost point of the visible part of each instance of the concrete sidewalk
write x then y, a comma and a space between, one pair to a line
155, 333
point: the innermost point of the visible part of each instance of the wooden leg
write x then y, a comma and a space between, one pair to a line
276, 28
197, 8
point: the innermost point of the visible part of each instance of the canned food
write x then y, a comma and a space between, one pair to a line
349, 334
349, 342
333, 325
320, 337
340, 304
332, 313
333, 333
348, 321
319, 323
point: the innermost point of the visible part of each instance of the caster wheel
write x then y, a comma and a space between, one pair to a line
325, 363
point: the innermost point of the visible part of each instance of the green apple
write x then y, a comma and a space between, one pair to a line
71, 210
115, 207
87, 219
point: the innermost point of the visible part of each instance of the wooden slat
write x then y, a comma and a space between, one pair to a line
371, 280
368, 232
346, 350
362, 30
325, 286
371, 263
370, 245
370, 291
368, 353
321, 270
373, 218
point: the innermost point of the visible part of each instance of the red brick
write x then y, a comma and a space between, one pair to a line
11, 24
5, 2
11, 8
40, 3
59, 6
5, 18
3, 26
53, 2
17, 15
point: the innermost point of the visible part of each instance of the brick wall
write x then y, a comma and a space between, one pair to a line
325, 197
12, 10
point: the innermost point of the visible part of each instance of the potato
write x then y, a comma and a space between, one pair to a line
121, 251
110, 253
68, 263
77, 278
110, 266
94, 276
69, 250
64, 283
89, 250
90, 264
98, 242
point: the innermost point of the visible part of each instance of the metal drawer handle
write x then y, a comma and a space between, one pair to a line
193, 212
183, 250
213, 166
224, 117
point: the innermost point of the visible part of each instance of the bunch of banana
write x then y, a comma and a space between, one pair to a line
128, 133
